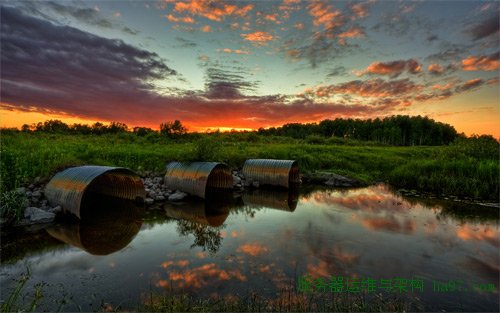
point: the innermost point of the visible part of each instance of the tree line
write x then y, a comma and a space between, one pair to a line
399, 130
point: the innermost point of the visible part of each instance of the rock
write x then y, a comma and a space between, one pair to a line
255, 184
21, 190
37, 215
36, 194
37, 180
31, 187
158, 180
336, 180
176, 196
148, 201
247, 183
55, 210
236, 180
160, 198
29, 194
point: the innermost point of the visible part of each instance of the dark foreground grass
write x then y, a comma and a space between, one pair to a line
442, 169
285, 300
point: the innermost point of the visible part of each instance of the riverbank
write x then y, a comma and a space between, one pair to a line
444, 171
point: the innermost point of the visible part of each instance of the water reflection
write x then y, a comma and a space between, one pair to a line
204, 219
367, 232
108, 225
278, 199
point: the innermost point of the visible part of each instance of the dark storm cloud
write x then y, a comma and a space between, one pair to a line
51, 65
485, 28
223, 84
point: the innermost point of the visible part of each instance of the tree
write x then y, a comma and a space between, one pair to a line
173, 129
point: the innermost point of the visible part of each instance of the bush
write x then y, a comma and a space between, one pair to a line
207, 148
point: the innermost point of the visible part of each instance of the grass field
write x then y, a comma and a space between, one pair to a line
453, 170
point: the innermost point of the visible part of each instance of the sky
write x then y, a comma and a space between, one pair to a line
250, 64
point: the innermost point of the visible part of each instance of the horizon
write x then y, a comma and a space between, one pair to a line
245, 65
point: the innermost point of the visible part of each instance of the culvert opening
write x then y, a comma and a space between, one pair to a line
78, 185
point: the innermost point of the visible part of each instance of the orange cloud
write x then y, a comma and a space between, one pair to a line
352, 33
253, 249
185, 19
236, 51
206, 29
471, 84
435, 69
258, 37
299, 26
325, 15
443, 87
482, 63
272, 18
393, 69
211, 10
360, 10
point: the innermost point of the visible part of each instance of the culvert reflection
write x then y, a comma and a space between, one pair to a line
108, 224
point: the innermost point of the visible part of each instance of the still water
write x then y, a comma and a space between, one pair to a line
260, 242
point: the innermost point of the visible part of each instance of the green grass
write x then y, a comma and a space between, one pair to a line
438, 169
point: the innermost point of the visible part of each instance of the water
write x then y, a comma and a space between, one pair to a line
261, 242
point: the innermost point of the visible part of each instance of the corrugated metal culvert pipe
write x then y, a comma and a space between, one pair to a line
282, 173
197, 177
67, 188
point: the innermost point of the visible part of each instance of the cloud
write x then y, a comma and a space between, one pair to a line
485, 28
215, 11
360, 10
470, 84
258, 37
370, 88
435, 69
298, 26
206, 29
184, 19
337, 71
85, 15
222, 84
56, 69
60, 67
236, 51
392, 69
326, 16
482, 63
352, 33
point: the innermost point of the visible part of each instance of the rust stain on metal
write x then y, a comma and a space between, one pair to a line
195, 178
67, 188
272, 172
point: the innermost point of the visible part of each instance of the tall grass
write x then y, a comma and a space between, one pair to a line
457, 169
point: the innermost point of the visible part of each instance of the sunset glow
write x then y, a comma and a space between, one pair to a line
241, 65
